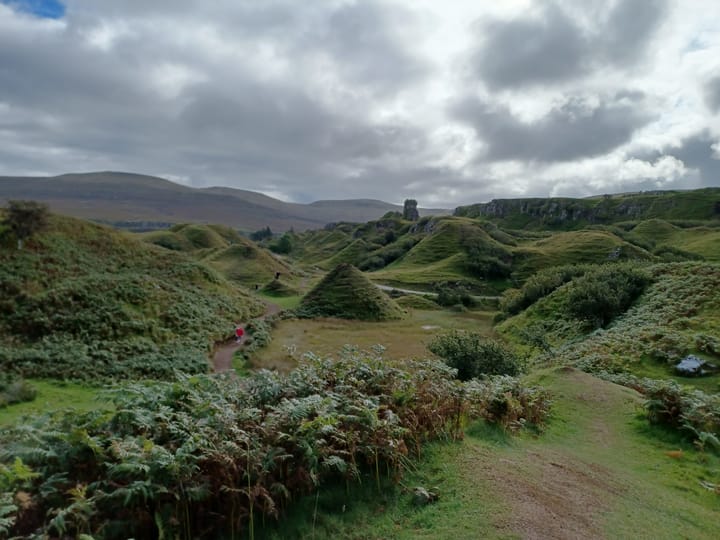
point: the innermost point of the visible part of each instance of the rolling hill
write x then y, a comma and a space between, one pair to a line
114, 197
84, 301
235, 257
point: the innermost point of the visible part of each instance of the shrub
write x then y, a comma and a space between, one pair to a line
15, 390
449, 295
690, 411
474, 355
540, 285
599, 296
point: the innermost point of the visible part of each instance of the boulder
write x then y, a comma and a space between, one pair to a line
692, 366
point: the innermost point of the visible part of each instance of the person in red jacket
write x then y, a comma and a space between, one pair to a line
239, 333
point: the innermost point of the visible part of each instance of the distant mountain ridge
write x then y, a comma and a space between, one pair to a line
126, 197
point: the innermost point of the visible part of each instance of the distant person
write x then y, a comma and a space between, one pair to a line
239, 333
277, 275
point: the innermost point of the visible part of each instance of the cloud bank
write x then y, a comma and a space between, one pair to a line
449, 104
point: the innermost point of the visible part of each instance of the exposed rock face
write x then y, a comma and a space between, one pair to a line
410, 211
563, 212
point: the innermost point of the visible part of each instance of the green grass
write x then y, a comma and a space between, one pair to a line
576, 247
597, 471
285, 302
52, 396
404, 338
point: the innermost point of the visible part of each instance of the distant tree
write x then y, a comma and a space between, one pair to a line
25, 218
261, 234
410, 211
284, 245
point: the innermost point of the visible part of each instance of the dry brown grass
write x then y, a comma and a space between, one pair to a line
404, 338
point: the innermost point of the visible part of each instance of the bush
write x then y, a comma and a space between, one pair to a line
599, 296
690, 411
448, 295
538, 286
15, 390
474, 355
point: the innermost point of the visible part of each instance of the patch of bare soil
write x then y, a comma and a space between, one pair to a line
551, 495
554, 493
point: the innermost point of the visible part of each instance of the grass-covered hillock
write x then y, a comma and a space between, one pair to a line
83, 301
346, 293
678, 313
237, 258
692, 239
575, 247
279, 288
206, 457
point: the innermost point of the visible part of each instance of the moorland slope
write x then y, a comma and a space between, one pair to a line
82, 301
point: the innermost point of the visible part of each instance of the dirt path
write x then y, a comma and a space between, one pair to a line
427, 293
559, 491
224, 351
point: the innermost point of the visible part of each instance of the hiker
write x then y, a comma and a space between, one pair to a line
239, 333
277, 275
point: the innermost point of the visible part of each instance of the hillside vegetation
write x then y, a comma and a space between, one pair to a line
235, 257
568, 213
82, 301
487, 259
347, 294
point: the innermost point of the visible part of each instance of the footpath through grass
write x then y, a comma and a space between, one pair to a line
598, 471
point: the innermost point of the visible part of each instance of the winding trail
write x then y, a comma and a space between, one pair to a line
224, 351
427, 293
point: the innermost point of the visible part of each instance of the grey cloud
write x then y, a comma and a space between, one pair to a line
522, 51
628, 29
572, 130
553, 47
75, 107
696, 152
712, 94
360, 35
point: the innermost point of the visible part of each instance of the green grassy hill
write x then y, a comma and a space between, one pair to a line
568, 213
677, 314
83, 301
347, 294
477, 253
236, 258
701, 239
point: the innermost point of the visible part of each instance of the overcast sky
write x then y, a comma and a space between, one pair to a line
450, 102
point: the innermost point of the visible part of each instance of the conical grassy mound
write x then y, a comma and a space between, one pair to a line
346, 293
